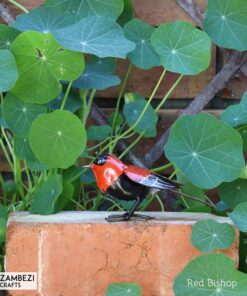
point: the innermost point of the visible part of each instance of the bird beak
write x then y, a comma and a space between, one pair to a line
87, 166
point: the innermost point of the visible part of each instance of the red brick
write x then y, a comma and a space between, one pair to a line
79, 253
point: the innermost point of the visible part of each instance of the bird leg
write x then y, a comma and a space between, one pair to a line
129, 215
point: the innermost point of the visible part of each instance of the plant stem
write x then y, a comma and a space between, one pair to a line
141, 115
169, 93
1, 97
6, 155
87, 105
132, 144
66, 95
160, 202
173, 174
19, 5
161, 168
119, 98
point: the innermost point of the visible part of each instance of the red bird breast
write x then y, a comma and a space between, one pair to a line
108, 173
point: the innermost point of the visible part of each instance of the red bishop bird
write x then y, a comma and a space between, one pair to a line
121, 181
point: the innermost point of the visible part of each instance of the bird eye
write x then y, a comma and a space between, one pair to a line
99, 161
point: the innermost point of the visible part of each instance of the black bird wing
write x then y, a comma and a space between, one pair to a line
149, 179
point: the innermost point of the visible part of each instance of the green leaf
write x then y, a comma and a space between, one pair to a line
22, 148
182, 48
84, 8
209, 234
3, 212
42, 62
42, 19
3, 222
210, 275
207, 150
243, 134
234, 115
20, 115
132, 111
127, 14
119, 119
36, 166
123, 289
226, 23
239, 216
233, 193
98, 132
65, 197
73, 102
9, 188
57, 139
101, 37
3, 123
144, 56
98, 74
8, 70
45, 197
7, 36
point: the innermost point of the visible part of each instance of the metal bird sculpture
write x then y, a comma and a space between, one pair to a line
121, 181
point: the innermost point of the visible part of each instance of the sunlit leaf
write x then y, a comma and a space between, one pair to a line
207, 150
42, 62
95, 35
8, 70
226, 23
57, 139
209, 234
182, 48
144, 56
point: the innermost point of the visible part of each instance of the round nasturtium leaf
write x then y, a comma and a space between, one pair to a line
7, 36
123, 289
20, 115
182, 48
209, 234
210, 275
8, 70
42, 19
98, 74
233, 193
243, 134
57, 139
72, 104
22, 148
46, 195
42, 62
98, 132
226, 23
101, 37
234, 115
144, 56
133, 110
207, 150
84, 8
239, 216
